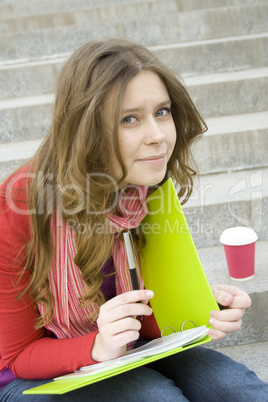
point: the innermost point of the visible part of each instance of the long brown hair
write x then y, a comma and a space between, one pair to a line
78, 145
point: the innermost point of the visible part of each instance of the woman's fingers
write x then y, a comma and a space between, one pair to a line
225, 321
231, 296
232, 314
125, 310
225, 326
215, 334
123, 331
118, 325
124, 305
228, 319
133, 296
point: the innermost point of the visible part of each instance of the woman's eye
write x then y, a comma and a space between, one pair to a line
163, 112
129, 119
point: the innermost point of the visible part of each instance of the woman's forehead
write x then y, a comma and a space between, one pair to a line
142, 85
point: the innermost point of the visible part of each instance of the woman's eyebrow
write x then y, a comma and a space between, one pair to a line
166, 102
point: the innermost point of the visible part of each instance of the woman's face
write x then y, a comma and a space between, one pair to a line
147, 132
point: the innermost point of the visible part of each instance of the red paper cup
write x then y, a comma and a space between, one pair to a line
239, 247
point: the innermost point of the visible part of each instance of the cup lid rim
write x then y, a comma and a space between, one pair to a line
238, 236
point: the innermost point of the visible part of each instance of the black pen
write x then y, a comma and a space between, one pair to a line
131, 260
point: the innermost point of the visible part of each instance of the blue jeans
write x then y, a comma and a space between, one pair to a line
197, 375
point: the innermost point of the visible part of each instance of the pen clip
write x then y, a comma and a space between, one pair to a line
129, 249
132, 246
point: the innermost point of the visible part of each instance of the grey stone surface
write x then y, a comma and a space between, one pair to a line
97, 14
220, 49
37, 76
152, 30
255, 321
226, 96
215, 266
232, 143
25, 123
18, 151
254, 356
25, 8
225, 200
216, 55
29, 78
6, 168
213, 98
221, 201
234, 150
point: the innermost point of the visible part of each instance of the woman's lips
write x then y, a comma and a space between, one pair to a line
154, 160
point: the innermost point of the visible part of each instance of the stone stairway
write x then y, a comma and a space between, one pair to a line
220, 49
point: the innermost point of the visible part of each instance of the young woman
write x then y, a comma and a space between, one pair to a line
122, 124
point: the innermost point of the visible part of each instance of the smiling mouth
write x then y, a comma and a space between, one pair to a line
154, 159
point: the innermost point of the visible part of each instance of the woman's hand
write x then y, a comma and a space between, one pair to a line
118, 325
234, 301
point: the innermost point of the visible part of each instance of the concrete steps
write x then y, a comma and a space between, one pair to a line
215, 95
242, 51
219, 201
231, 96
250, 345
36, 76
55, 16
25, 118
10, 9
220, 49
230, 93
234, 142
231, 143
154, 29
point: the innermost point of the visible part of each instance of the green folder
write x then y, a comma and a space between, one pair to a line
170, 266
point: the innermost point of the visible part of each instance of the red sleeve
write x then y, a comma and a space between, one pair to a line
28, 352
149, 327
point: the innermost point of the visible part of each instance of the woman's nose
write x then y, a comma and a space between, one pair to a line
153, 132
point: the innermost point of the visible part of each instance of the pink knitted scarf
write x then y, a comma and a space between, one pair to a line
131, 209
66, 283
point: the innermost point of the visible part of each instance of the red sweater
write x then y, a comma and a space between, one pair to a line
31, 353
